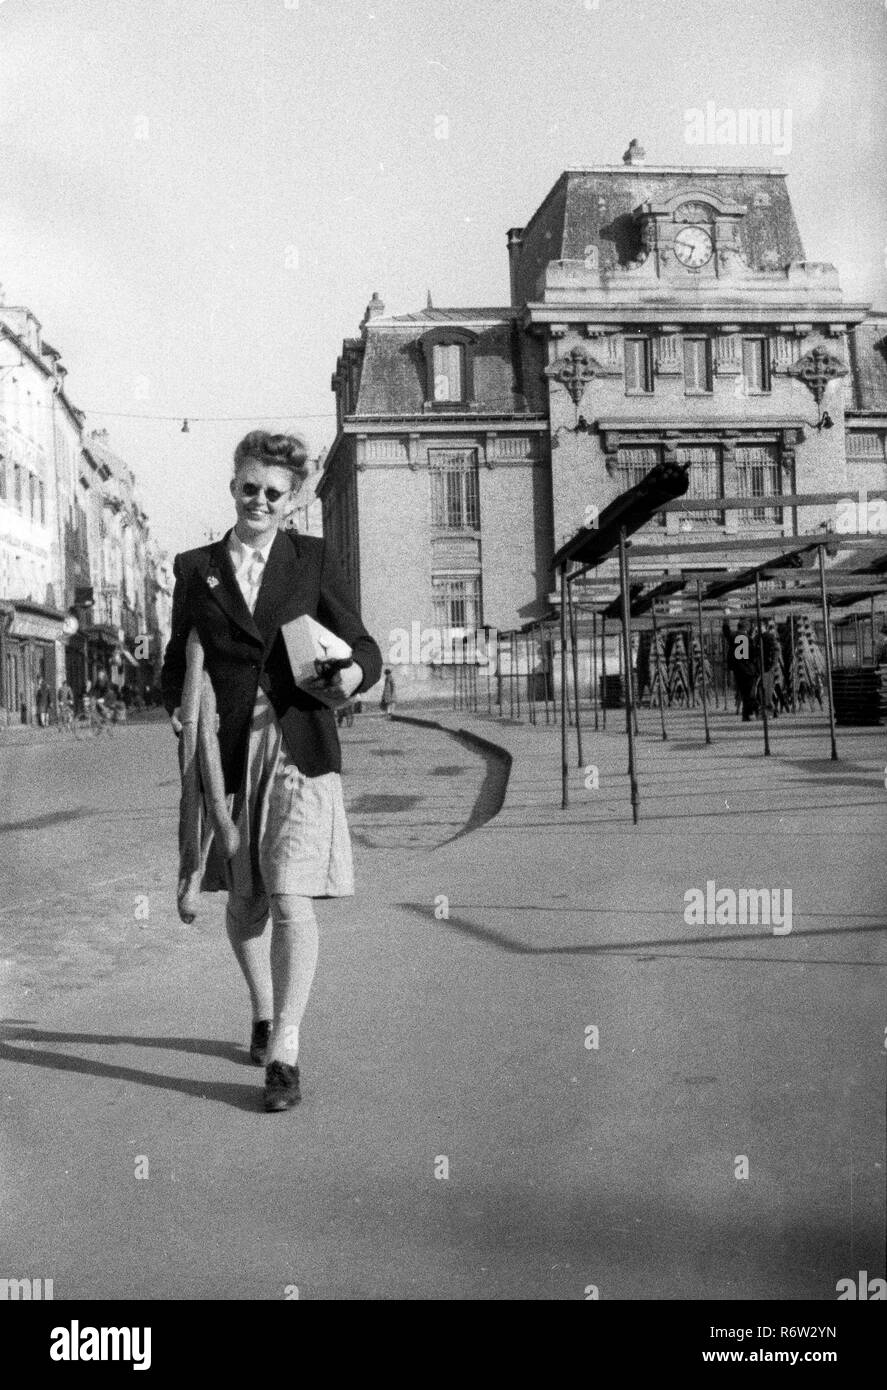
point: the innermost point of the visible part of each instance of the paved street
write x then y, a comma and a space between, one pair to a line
457, 1029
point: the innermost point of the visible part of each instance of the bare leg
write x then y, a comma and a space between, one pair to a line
293, 962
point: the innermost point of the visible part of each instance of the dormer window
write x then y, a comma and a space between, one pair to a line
449, 372
449, 356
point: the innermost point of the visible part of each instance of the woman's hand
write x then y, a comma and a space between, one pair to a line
340, 685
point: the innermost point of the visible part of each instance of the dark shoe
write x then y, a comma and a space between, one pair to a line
281, 1086
258, 1043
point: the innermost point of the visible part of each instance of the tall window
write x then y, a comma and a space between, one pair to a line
42, 497
17, 485
449, 372
758, 475
457, 601
455, 500
756, 365
32, 496
638, 366
697, 366
2, 478
706, 479
634, 463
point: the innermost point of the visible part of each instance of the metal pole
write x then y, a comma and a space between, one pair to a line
489, 696
517, 674
791, 623
659, 673
575, 651
626, 643
531, 659
702, 660
545, 661
564, 793
592, 662
828, 652
761, 664
511, 674
603, 675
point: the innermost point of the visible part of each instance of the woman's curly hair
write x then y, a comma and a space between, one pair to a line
275, 451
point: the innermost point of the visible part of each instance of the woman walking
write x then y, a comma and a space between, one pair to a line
279, 747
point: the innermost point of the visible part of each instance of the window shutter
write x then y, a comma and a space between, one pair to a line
696, 373
754, 364
637, 375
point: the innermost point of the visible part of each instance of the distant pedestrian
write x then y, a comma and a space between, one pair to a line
345, 714
740, 662
42, 701
769, 645
881, 649
65, 706
389, 694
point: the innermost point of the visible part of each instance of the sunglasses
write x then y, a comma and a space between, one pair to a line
253, 490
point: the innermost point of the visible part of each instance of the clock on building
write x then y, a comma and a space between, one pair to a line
693, 246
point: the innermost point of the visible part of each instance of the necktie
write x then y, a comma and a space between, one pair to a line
254, 577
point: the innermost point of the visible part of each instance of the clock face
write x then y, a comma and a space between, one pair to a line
693, 247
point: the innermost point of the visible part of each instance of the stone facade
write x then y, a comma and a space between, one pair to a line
436, 492
75, 571
656, 313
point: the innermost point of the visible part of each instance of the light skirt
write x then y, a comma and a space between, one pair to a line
293, 829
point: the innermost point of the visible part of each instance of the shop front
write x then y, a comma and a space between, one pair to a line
31, 661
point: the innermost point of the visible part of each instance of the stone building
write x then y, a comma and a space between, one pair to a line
73, 537
657, 312
119, 628
32, 415
436, 491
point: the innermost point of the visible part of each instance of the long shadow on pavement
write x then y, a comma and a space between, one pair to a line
233, 1093
490, 936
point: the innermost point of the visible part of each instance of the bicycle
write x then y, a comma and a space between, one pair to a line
93, 719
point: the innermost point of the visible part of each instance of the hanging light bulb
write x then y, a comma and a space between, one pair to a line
185, 428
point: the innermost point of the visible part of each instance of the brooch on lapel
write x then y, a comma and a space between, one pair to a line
211, 580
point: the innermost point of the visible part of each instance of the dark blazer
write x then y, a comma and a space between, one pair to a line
244, 651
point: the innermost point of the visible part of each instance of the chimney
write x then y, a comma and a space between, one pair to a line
373, 310
515, 242
635, 154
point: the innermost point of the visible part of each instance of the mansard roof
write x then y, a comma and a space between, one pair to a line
868, 356
594, 207
507, 363
470, 315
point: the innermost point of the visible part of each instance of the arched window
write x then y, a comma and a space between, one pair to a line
449, 375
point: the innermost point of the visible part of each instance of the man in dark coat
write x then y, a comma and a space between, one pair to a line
742, 665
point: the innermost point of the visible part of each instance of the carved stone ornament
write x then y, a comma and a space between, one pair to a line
816, 369
574, 371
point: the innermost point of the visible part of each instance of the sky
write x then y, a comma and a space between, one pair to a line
200, 196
